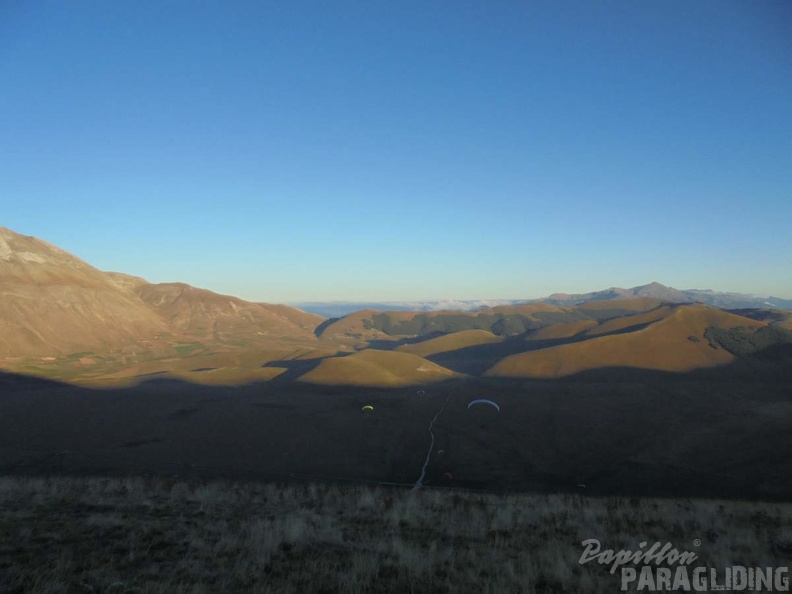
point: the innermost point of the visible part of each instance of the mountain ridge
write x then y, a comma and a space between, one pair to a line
654, 289
54, 303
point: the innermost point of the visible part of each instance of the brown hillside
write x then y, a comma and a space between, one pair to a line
125, 281
565, 330
526, 309
373, 367
359, 324
202, 314
664, 345
634, 304
354, 325
306, 321
52, 303
617, 324
786, 322
449, 342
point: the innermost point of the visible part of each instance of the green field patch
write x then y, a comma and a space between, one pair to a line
185, 348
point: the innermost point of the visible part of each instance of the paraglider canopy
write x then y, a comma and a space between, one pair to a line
447, 476
367, 407
483, 401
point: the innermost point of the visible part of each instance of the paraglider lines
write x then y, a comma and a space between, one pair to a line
419, 483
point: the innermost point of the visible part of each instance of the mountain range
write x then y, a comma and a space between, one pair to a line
62, 318
655, 290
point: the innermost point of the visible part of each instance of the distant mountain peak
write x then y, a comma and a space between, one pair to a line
656, 290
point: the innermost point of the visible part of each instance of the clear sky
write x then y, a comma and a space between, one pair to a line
289, 151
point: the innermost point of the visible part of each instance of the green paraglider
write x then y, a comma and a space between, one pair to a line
367, 407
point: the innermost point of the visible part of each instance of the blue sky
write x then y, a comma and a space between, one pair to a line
290, 151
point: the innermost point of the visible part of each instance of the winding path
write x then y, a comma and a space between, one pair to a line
419, 483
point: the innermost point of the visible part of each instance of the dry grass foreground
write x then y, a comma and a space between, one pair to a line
169, 536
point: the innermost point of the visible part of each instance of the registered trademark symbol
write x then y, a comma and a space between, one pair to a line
696, 543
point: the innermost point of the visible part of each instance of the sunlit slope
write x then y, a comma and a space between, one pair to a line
306, 321
654, 290
563, 330
636, 304
449, 342
526, 309
373, 367
360, 325
674, 343
204, 314
53, 303
629, 321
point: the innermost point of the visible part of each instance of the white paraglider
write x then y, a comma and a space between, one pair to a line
486, 401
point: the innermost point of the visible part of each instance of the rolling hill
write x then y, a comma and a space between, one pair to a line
674, 341
505, 320
449, 342
374, 367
